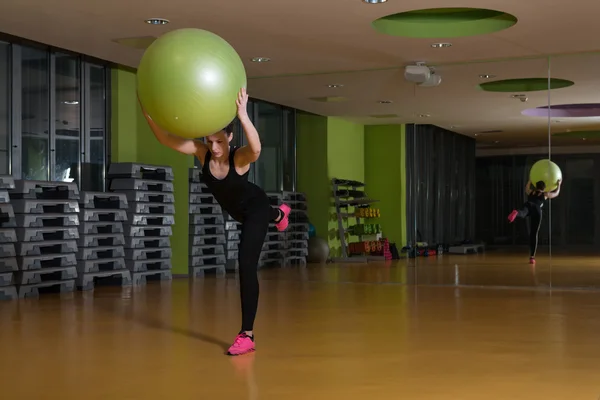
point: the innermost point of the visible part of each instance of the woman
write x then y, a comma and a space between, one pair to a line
225, 171
533, 208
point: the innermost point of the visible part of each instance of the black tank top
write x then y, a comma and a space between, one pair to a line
536, 198
233, 193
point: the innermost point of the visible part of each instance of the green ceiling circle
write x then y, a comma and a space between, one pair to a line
579, 134
444, 22
525, 85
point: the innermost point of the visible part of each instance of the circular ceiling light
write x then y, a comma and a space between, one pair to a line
374, 1
448, 22
261, 59
424, 115
441, 45
487, 76
335, 85
157, 21
71, 102
385, 102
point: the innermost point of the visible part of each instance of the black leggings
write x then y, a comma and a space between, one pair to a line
255, 226
535, 218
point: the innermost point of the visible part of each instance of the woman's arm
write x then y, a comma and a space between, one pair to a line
528, 187
185, 146
553, 194
249, 153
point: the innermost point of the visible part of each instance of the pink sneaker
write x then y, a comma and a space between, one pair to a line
283, 224
512, 215
243, 344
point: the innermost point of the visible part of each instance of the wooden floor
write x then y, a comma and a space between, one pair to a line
325, 332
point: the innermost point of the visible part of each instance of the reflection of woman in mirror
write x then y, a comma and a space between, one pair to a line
532, 208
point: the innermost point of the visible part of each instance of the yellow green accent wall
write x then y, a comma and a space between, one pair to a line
385, 177
133, 141
333, 147
311, 168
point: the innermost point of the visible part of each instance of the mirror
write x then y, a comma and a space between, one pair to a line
473, 146
574, 118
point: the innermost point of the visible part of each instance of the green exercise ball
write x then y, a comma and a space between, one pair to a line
546, 171
188, 81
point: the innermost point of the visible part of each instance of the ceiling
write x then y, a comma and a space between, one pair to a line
313, 44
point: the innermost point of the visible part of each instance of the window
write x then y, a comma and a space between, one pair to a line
35, 114
268, 168
4, 108
52, 115
67, 121
95, 162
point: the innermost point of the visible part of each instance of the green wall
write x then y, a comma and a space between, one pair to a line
133, 141
385, 177
311, 171
333, 147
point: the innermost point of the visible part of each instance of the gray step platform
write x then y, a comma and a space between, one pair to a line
273, 246
233, 226
148, 254
200, 198
9, 264
205, 209
149, 265
297, 244
271, 255
45, 274
45, 206
6, 279
297, 236
97, 228
26, 291
147, 231
4, 196
87, 281
47, 261
43, 234
147, 242
150, 219
195, 175
7, 182
29, 189
232, 254
24, 249
201, 261
207, 240
46, 220
295, 261
201, 230
101, 265
298, 227
296, 253
8, 293
151, 208
148, 197
100, 253
206, 250
102, 240
232, 244
234, 236
7, 250
140, 171
141, 278
7, 216
103, 200
119, 184
198, 272
103, 215
275, 237
198, 219
199, 188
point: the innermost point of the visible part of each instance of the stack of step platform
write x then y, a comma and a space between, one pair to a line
207, 229
101, 254
150, 216
47, 231
296, 235
8, 238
